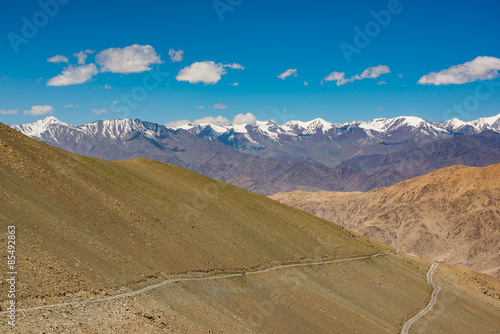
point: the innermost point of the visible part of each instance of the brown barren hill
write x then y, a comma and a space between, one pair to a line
450, 215
140, 246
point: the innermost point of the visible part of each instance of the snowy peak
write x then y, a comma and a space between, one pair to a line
261, 133
391, 124
36, 129
311, 127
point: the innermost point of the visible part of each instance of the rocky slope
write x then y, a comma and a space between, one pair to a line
450, 215
89, 229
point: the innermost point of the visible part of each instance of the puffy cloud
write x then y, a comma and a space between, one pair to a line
176, 124
207, 72
58, 59
176, 56
81, 56
382, 83
288, 73
39, 110
373, 72
369, 73
339, 77
219, 106
479, 69
219, 120
106, 86
235, 84
306, 83
99, 111
235, 66
74, 75
131, 59
244, 119
8, 111
200, 107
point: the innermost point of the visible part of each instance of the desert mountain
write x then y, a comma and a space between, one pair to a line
450, 215
89, 230
294, 156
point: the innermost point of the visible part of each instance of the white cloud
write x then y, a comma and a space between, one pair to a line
235, 84
219, 106
74, 75
8, 111
479, 69
207, 72
219, 120
382, 83
106, 86
337, 76
400, 76
177, 124
306, 83
200, 107
58, 59
176, 56
69, 106
288, 73
131, 59
235, 66
89, 51
99, 111
39, 110
369, 73
244, 119
81, 56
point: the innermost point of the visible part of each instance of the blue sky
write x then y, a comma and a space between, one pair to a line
266, 38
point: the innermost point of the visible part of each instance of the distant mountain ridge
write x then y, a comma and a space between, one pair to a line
267, 158
450, 215
329, 144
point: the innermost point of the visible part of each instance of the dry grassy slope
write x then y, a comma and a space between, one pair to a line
451, 215
86, 227
84, 224
372, 296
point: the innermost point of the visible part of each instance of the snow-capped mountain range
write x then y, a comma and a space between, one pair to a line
267, 157
377, 128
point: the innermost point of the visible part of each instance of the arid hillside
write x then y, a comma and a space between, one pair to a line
171, 246
450, 215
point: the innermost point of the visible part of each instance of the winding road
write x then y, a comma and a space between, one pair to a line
170, 281
431, 302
